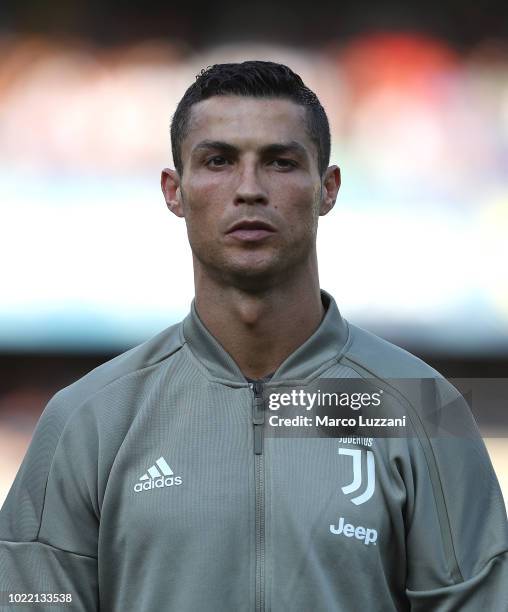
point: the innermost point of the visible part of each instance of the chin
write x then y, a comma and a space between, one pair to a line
255, 278
246, 271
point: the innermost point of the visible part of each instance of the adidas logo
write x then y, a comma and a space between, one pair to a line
158, 476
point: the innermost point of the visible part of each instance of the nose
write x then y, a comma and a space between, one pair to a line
250, 189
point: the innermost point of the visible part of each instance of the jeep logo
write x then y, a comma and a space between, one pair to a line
369, 536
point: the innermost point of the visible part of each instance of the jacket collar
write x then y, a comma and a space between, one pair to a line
311, 358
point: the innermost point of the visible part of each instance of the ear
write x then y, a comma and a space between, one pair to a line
170, 185
331, 186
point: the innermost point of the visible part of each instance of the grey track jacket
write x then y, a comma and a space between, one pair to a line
149, 485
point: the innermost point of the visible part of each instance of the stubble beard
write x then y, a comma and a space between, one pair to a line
280, 267
277, 269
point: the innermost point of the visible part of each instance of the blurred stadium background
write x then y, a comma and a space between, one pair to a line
418, 104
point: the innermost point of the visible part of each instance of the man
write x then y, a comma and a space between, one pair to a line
152, 483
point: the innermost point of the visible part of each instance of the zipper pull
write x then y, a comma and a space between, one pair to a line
258, 416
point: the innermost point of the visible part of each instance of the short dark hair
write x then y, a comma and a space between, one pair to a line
256, 79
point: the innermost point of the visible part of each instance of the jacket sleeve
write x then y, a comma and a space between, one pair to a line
456, 532
49, 521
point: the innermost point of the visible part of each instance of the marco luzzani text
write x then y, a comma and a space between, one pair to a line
304, 400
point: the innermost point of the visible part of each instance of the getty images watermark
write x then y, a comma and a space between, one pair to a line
326, 406
370, 407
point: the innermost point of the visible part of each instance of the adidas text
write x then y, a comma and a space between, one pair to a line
157, 483
369, 536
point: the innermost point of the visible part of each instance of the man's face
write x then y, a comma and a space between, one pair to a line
249, 161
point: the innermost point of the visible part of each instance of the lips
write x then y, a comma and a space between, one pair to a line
251, 225
250, 230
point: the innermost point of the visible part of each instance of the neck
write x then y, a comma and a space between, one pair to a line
259, 330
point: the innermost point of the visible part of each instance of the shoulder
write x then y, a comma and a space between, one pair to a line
382, 358
141, 359
70, 427
373, 357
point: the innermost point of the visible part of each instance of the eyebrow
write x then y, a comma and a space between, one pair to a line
278, 148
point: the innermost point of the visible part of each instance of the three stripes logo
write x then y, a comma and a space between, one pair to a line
157, 476
357, 481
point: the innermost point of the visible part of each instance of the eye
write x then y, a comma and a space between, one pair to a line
216, 161
284, 164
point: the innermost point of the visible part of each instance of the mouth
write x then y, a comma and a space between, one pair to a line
251, 230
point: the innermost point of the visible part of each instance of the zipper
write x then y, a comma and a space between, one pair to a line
258, 419
258, 416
